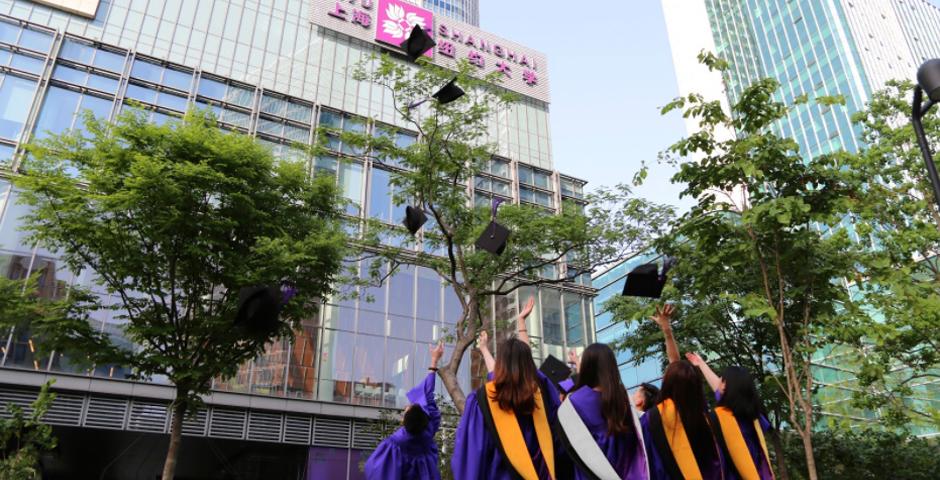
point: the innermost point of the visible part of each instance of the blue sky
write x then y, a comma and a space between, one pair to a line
605, 97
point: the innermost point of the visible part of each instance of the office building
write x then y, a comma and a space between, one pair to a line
276, 70
467, 11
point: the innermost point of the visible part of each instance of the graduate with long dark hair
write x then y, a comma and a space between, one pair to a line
505, 431
600, 428
742, 421
679, 440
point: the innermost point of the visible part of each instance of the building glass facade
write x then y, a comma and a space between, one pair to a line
263, 69
609, 284
817, 48
467, 11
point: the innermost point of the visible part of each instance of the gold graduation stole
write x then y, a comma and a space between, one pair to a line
677, 440
504, 426
736, 447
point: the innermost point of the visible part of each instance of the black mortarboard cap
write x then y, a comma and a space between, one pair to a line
646, 281
449, 92
556, 371
414, 219
258, 310
417, 43
493, 239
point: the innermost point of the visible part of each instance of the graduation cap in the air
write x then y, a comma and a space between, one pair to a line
259, 309
448, 93
558, 372
494, 236
414, 219
646, 280
418, 43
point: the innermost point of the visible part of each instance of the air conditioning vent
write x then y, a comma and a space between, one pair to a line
297, 429
104, 412
66, 409
20, 398
366, 435
331, 432
227, 423
264, 427
195, 424
148, 417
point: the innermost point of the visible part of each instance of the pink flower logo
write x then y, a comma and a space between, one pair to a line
397, 18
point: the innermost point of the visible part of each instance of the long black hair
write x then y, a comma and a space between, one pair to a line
599, 370
515, 377
740, 395
682, 384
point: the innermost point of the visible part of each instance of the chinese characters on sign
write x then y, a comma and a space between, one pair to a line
390, 22
343, 9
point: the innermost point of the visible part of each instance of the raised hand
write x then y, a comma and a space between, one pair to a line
573, 358
663, 315
694, 359
527, 309
483, 340
437, 351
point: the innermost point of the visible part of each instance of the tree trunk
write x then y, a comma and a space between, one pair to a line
810, 456
176, 435
777, 443
449, 379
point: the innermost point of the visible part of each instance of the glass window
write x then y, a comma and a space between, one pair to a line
399, 373
142, 94
109, 60
299, 112
336, 366
147, 71
9, 32
574, 320
178, 79
68, 74
212, 88
6, 153
368, 368
429, 293
27, 63
105, 84
551, 317
401, 294
171, 101
499, 167
325, 164
525, 175
351, 181
36, 40
273, 105
77, 51
16, 95
58, 111
381, 196
330, 119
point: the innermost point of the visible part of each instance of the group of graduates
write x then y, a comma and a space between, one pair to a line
522, 425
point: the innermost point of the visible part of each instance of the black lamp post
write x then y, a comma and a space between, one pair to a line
928, 79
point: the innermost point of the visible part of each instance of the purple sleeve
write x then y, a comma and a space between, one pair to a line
717, 396
472, 449
553, 396
764, 423
385, 462
656, 468
433, 412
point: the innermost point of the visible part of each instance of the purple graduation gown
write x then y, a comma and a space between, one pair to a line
622, 450
476, 456
753, 446
713, 471
403, 456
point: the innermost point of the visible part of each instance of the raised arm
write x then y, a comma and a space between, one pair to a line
437, 351
662, 318
711, 377
521, 332
483, 343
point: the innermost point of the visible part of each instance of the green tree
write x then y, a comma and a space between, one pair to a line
24, 438
867, 455
766, 237
434, 173
174, 220
895, 210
